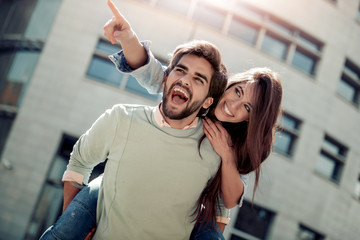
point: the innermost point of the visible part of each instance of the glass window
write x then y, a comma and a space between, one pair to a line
254, 220
352, 70
49, 205
6, 121
104, 47
304, 62
244, 31
286, 138
331, 159
180, 7
209, 16
42, 19
244, 11
274, 46
349, 84
104, 71
284, 143
276, 25
348, 91
305, 41
18, 77
305, 233
333, 147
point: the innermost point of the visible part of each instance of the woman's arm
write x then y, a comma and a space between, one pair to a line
232, 187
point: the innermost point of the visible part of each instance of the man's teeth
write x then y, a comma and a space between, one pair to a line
227, 110
182, 91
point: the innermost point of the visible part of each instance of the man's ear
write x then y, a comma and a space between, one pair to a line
164, 79
208, 102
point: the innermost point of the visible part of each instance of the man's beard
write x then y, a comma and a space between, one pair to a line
190, 109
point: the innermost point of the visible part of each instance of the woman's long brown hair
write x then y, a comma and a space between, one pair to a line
252, 139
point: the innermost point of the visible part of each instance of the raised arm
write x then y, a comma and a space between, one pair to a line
135, 58
118, 28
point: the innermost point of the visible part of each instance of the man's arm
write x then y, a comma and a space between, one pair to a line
118, 28
89, 150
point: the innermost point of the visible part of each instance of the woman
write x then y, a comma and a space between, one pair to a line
248, 112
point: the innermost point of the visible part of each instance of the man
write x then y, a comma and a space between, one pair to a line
154, 173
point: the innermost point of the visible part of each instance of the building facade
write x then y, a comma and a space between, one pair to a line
55, 80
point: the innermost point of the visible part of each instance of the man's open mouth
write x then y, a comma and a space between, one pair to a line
179, 96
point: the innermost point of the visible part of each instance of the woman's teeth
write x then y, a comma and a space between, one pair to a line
227, 110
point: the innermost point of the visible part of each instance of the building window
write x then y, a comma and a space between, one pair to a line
49, 205
103, 70
252, 222
278, 39
305, 233
258, 28
331, 159
304, 61
358, 16
349, 84
209, 15
180, 7
274, 46
244, 31
285, 139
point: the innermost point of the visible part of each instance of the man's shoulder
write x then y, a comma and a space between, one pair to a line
128, 109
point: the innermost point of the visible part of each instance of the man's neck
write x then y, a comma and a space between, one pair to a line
178, 123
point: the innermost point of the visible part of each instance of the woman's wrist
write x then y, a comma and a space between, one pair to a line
228, 157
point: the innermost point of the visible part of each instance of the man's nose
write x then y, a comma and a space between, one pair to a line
186, 80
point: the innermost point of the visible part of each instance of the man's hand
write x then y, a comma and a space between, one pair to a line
117, 28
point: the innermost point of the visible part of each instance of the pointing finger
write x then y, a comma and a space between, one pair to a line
115, 10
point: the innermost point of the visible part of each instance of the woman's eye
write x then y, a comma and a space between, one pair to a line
179, 70
247, 108
237, 92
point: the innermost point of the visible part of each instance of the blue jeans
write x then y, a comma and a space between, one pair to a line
80, 217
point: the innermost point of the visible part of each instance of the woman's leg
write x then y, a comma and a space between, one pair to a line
79, 217
206, 232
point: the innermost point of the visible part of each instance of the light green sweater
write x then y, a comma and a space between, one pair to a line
153, 176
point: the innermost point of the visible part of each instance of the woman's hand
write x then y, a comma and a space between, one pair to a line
219, 138
117, 28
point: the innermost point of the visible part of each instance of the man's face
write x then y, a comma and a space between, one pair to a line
186, 88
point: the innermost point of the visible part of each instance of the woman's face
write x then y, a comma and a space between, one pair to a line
236, 103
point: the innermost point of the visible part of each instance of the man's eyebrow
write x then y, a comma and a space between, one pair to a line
197, 74
202, 76
181, 66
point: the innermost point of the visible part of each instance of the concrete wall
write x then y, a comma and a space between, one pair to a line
62, 99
